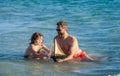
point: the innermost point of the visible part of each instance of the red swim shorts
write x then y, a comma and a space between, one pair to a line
80, 55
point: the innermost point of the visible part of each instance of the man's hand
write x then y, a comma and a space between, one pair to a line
60, 60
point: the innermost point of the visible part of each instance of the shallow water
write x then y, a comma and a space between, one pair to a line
95, 23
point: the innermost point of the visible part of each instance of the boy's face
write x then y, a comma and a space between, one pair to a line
39, 40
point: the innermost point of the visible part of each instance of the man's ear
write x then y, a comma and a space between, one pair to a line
66, 28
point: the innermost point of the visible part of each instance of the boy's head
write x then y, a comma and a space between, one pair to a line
36, 37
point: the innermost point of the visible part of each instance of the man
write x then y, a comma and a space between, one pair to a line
68, 44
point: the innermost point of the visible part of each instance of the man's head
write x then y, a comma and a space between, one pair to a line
61, 27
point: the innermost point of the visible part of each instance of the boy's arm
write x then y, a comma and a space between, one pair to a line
45, 48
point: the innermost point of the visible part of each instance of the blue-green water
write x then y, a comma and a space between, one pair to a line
95, 23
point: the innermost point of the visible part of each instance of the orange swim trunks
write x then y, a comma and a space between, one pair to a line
80, 55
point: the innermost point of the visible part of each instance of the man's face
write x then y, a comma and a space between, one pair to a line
60, 30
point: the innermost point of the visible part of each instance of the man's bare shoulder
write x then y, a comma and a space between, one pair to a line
56, 37
72, 37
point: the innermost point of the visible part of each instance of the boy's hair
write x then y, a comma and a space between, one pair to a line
35, 36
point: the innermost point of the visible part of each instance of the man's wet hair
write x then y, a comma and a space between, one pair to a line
62, 23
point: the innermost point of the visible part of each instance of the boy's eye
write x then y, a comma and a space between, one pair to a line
40, 41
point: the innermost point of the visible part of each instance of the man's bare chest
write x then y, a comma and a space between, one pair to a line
64, 44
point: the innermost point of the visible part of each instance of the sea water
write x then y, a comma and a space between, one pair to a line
95, 23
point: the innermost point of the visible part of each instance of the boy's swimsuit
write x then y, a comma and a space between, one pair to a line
80, 55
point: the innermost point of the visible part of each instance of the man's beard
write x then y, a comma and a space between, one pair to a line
60, 34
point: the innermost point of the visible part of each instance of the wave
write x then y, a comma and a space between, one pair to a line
11, 56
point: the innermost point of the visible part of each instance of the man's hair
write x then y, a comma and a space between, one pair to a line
35, 36
62, 23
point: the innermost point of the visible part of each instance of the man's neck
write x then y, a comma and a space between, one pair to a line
64, 36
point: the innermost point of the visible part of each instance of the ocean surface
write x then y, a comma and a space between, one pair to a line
95, 23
